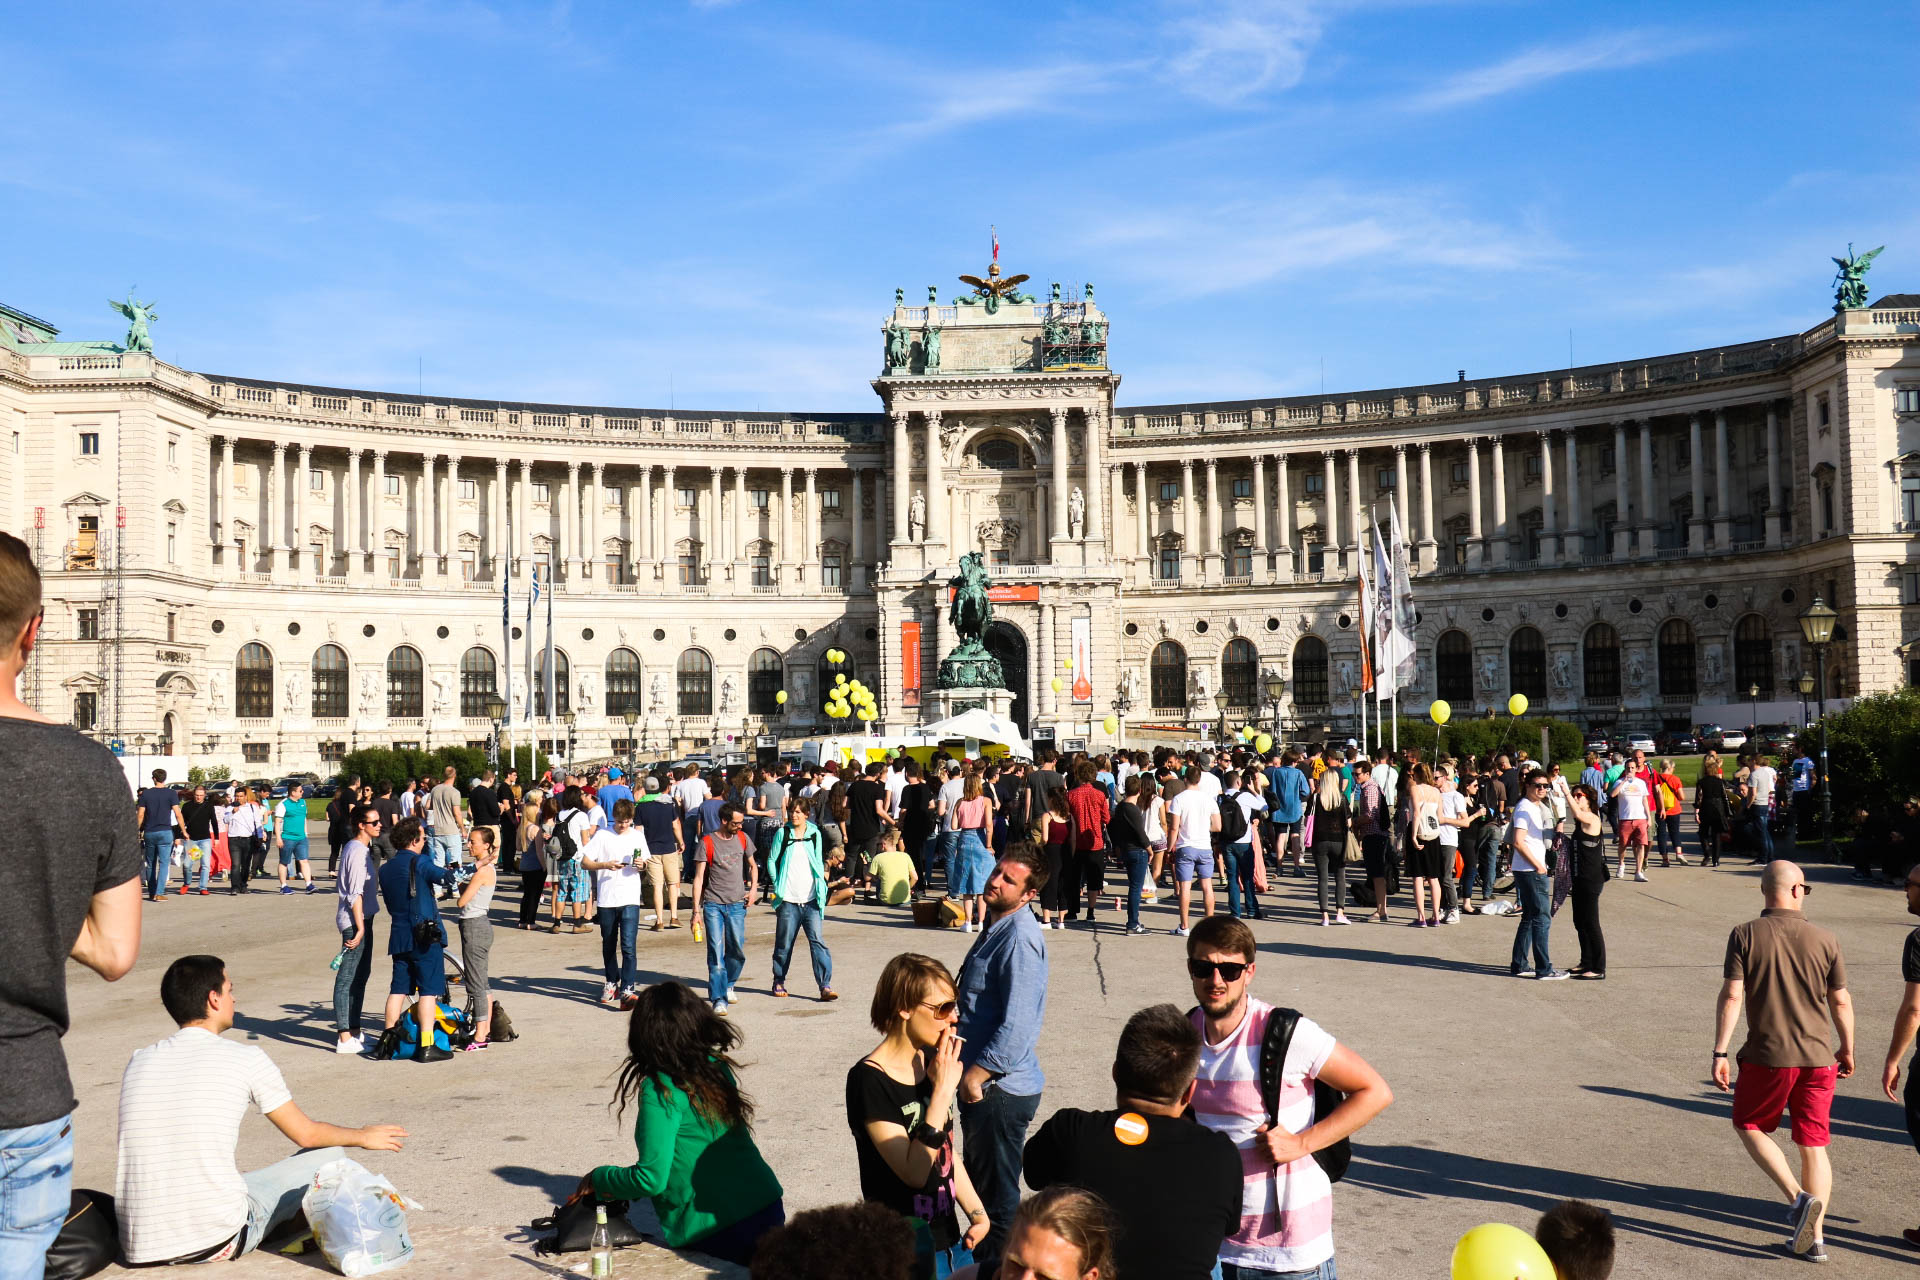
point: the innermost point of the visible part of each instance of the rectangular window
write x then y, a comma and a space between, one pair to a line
830, 570
1316, 482
1316, 557
1823, 411
1240, 562
173, 450
684, 497
1907, 400
616, 495
89, 444
1460, 546
393, 564
829, 499
1910, 586
540, 491
1243, 486
1169, 564
86, 710
689, 569
613, 568
316, 481
1606, 460
393, 486
317, 557
1683, 453
469, 565
1533, 466
332, 751
762, 572
170, 620
1910, 497
759, 498
1458, 473
89, 624
173, 542
1386, 477
1169, 490
470, 489
999, 557
256, 752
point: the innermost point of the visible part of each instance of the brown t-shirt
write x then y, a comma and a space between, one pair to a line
1788, 967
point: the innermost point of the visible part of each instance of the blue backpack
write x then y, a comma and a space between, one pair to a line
450, 1030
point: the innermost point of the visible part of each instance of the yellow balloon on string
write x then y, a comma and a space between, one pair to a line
781, 697
1440, 711
1517, 704
1111, 724
1263, 743
1056, 684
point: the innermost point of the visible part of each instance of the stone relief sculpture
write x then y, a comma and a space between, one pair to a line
1789, 663
729, 695
896, 346
1563, 671
1490, 673
1636, 670
917, 516
1710, 667
217, 691
657, 695
296, 687
442, 692
1076, 513
589, 702
1130, 686
369, 692
930, 349
1345, 678
1200, 688
517, 694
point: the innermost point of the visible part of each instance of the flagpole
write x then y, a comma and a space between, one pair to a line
506, 632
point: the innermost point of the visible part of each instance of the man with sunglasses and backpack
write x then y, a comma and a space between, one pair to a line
1256, 1083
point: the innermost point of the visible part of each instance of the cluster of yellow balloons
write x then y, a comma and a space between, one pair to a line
849, 697
836, 656
1497, 1251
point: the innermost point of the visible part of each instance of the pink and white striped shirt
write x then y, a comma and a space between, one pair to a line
1286, 1211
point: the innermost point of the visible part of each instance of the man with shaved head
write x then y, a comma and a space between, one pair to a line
1790, 975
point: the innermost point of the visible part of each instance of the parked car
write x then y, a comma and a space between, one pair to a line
1598, 742
1679, 744
1775, 739
1715, 738
1732, 739
1635, 740
259, 786
324, 791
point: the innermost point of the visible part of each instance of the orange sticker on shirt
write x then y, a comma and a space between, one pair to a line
1131, 1129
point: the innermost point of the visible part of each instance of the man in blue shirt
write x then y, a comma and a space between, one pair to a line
1288, 803
407, 882
614, 789
157, 811
1002, 994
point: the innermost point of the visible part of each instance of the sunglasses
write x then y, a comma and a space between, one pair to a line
943, 1009
1229, 970
1804, 890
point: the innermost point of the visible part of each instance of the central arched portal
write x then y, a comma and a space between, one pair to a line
1007, 643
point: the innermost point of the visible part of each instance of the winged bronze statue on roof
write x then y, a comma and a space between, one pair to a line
139, 316
1850, 281
992, 291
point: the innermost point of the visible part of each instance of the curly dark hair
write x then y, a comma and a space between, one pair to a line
861, 1241
674, 1035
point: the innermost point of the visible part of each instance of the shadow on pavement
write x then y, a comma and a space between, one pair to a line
1400, 958
1865, 1118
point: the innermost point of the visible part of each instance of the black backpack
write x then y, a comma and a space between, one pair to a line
1333, 1160
563, 835
1233, 819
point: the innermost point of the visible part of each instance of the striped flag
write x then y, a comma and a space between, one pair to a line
546, 676
1401, 596
506, 615
533, 598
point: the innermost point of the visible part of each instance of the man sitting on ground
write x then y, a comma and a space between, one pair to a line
1174, 1185
179, 1194
1577, 1238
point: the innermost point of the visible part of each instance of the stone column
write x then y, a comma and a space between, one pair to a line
301, 484
711, 532
936, 484
498, 501
1143, 536
1048, 670
787, 558
1646, 487
737, 552
1211, 567
857, 551
663, 545
1722, 484
1697, 465
1059, 530
1549, 510
1502, 535
522, 527
1429, 548
590, 541
1116, 487
1476, 543
1189, 527
1260, 571
1622, 525
449, 521
276, 543
1773, 476
1573, 536
225, 487
350, 518
570, 524
426, 523
642, 522
1400, 499
1096, 491
376, 504
1283, 513
902, 476
1354, 509
810, 552
632, 534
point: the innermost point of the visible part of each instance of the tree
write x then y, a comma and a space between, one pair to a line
1873, 752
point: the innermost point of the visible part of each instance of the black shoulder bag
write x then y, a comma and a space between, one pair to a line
572, 1226
427, 934
1333, 1159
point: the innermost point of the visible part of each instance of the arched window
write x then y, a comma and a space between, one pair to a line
766, 674
253, 682
329, 682
695, 672
562, 684
1600, 660
623, 684
1752, 656
1453, 668
1310, 672
406, 684
1527, 664
1676, 660
1240, 672
1167, 675
478, 682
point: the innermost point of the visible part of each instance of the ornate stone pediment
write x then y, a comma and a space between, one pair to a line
86, 498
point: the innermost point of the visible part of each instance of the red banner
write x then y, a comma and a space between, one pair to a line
1006, 593
910, 664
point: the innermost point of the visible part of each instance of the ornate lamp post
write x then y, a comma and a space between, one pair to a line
632, 718
1806, 691
1220, 702
1753, 712
497, 712
1121, 705
1275, 687
568, 719
1816, 628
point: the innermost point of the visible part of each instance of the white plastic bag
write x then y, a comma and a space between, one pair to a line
358, 1219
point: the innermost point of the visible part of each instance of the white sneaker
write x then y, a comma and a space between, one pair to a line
609, 994
1641, 876
1453, 917
352, 1044
732, 997
720, 1007
1182, 933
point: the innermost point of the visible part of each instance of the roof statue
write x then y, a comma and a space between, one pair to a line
971, 665
993, 290
140, 314
1850, 281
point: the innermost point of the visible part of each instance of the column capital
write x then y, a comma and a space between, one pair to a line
380, 456
428, 456
811, 472
1212, 464
306, 450
1329, 454
500, 466
1424, 447
1473, 446
573, 470
526, 468
1059, 414
899, 416
1399, 450
1719, 417
786, 473
932, 416
279, 449
598, 469
452, 459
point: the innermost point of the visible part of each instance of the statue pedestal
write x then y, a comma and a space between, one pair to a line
938, 704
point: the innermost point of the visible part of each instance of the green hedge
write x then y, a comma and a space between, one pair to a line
1484, 737
396, 765
1873, 752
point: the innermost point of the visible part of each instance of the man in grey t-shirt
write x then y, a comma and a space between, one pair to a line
449, 834
725, 880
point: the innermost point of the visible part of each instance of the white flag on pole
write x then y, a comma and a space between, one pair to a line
1401, 595
1388, 677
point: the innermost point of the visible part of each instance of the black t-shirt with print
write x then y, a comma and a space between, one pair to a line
1910, 958
872, 1094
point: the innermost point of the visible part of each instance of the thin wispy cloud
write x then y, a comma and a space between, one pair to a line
1532, 67
1228, 53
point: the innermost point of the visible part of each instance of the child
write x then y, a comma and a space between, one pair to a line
1578, 1240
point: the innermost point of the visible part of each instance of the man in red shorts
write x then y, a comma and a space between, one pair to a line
1793, 981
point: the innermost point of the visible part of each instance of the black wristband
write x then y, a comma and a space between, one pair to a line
927, 1135
1719, 1053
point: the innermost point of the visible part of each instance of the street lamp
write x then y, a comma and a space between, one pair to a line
632, 718
568, 720
1275, 687
497, 712
1806, 691
1220, 701
1753, 710
1816, 628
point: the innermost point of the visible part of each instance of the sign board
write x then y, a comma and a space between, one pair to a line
1042, 733
118, 747
1006, 593
766, 740
1073, 744
910, 663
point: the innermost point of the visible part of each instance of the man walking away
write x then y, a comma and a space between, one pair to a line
1173, 1185
1532, 884
1192, 820
158, 812
179, 1195
1790, 975
1002, 994
448, 825
1286, 1205
1905, 1023
69, 886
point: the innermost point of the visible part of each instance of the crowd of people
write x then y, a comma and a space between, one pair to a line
1239, 1110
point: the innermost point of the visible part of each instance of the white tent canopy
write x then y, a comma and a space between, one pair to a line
982, 724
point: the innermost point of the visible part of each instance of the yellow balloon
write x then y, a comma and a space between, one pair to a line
1440, 711
839, 678
1496, 1251
1056, 684
781, 697
866, 713
1517, 704
1111, 724
1263, 743
1066, 664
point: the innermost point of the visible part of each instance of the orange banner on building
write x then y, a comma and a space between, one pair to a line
910, 664
1008, 593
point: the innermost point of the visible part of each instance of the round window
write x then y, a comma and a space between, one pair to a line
1788, 596
873, 633
1345, 621
516, 633
1560, 611
1273, 624
218, 626
1486, 615
293, 628
1633, 606
729, 633
799, 633
659, 633
367, 631
1132, 628
1712, 601
586, 633
442, 632
1200, 627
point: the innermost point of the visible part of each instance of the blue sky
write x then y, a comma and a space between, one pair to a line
712, 202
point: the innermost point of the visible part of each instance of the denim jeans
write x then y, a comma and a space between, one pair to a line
949, 846
994, 1130
1536, 903
199, 852
621, 924
159, 860
1482, 864
350, 982
789, 919
36, 1186
1240, 878
1135, 861
726, 925
1763, 834
445, 851
1325, 1271
274, 1193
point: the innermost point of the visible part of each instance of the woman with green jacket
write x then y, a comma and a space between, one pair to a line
797, 881
697, 1162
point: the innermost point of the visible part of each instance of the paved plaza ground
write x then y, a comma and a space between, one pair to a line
1509, 1094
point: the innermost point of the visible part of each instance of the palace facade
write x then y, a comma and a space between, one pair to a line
266, 575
